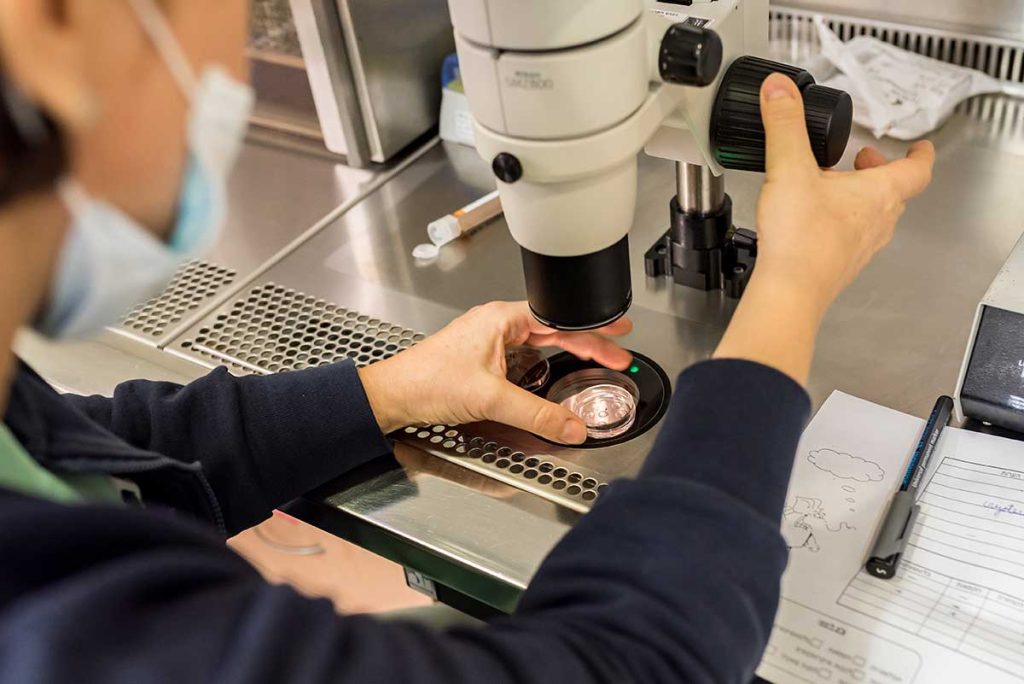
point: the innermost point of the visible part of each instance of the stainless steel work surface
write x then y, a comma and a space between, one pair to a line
98, 365
262, 221
315, 268
896, 337
461, 517
276, 197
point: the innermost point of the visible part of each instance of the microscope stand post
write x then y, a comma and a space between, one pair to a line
702, 249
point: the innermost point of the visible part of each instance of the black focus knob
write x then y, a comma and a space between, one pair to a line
507, 167
690, 56
829, 115
737, 131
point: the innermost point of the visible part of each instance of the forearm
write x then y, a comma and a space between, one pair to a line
672, 577
261, 440
775, 324
685, 560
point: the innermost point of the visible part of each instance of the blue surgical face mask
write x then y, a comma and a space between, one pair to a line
109, 262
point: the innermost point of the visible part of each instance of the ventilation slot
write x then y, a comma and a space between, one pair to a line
195, 283
549, 477
794, 38
273, 329
1000, 59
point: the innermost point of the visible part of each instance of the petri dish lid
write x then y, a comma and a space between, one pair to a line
605, 399
526, 367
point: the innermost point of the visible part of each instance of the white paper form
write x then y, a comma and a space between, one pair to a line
955, 612
963, 584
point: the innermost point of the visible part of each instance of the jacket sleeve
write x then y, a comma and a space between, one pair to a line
672, 577
261, 440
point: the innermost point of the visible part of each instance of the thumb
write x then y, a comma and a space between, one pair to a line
515, 406
787, 145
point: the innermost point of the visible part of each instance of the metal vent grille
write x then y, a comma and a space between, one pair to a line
194, 283
1001, 59
273, 329
272, 28
551, 478
794, 39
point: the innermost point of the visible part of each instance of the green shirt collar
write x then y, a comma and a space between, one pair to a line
21, 473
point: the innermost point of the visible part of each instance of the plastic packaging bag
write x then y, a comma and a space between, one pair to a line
456, 120
895, 92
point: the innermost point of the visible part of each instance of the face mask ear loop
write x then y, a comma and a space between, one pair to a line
155, 24
72, 195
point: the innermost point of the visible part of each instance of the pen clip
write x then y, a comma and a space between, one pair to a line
894, 535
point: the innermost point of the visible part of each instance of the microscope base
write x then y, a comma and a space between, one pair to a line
704, 251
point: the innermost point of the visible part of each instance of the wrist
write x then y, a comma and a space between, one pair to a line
386, 408
776, 323
792, 291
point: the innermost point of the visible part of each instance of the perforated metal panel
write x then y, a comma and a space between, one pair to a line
1001, 59
194, 284
272, 329
272, 28
794, 38
568, 484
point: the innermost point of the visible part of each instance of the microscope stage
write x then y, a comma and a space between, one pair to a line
573, 477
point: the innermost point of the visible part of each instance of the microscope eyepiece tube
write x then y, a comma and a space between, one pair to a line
579, 292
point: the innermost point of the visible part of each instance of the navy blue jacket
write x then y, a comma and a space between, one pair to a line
672, 577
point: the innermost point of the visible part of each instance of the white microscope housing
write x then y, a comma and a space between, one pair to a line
564, 95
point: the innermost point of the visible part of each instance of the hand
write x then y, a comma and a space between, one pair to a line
818, 229
458, 375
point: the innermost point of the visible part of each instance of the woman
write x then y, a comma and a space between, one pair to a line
672, 577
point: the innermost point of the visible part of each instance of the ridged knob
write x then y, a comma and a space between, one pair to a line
829, 115
690, 56
737, 131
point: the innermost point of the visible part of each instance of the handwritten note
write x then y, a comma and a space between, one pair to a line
1000, 508
955, 611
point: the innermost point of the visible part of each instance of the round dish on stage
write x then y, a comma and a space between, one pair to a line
605, 399
616, 406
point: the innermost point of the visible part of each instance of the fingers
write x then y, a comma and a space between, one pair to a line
909, 176
787, 145
520, 327
912, 174
517, 321
620, 327
593, 345
586, 346
869, 158
516, 407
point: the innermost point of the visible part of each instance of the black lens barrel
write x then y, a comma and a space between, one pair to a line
579, 292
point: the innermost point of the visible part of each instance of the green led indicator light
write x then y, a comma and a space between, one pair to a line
634, 369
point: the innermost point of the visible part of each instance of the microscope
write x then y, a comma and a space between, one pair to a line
566, 93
